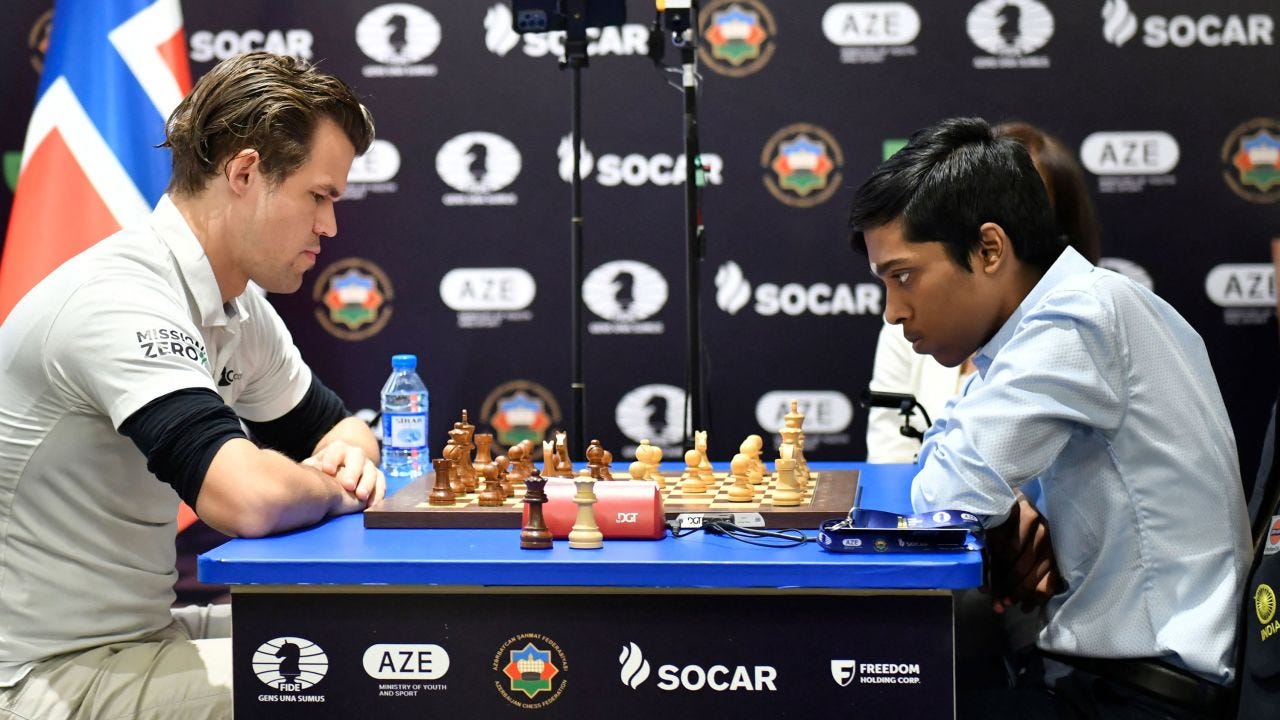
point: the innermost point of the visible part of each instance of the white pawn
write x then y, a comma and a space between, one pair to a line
740, 490
691, 482
585, 534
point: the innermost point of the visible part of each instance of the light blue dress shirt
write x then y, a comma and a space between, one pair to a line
1099, 389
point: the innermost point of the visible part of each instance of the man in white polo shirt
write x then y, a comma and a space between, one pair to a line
127, 374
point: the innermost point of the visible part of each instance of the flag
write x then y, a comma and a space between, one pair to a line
114, 71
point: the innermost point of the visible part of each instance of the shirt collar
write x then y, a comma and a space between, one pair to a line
1068, 263
193, 265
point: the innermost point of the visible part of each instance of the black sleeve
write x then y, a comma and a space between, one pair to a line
180, 433
296, 432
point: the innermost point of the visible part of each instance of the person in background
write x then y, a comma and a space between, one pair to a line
898, 369
1140, 544
128, 373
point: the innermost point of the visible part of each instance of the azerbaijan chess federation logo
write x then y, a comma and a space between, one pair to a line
520, 410
532, 671
738, 36
354, 297
290, 664
1251, 160
802, 165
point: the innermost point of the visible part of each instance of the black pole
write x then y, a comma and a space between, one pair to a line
694, 229
575, 57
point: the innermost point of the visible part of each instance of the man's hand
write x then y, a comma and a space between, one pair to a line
355, 472
1020, 559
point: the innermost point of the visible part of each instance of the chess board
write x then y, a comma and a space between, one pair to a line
829, 496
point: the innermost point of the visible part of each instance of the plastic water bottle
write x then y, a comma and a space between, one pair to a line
404, 420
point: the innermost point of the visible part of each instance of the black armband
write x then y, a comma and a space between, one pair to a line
296, 433
180, 433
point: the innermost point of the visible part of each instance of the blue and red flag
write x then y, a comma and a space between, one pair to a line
114, 71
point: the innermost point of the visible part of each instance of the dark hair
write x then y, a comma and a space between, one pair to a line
947, 181
263, 101
1064, 180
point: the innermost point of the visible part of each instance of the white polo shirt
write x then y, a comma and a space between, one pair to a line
86, 532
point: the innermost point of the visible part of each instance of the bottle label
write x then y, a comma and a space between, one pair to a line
404, 430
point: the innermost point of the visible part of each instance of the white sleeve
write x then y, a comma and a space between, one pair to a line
115, 345
891, 372
276, 377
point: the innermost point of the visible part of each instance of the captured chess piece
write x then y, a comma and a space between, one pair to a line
787, 493
751, 447
691, 479
441, 492
585, 534
740, 489
535, 535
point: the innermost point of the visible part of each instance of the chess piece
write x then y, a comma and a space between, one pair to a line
483, 443
585, 534
517, 473
795, 419
564, 466
451, 472
526, 464
751, 447
787, 493
740, 490
441, 492
606, 472
549, 458
462, 468
535, 535
704, 465
640, 468
790, 449
595, 460
504, 480
691, 479
492, 495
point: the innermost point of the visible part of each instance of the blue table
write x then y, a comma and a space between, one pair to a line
391, 598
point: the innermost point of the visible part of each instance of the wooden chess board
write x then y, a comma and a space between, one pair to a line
830, 495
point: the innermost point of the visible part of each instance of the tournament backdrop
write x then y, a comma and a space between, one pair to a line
454, 238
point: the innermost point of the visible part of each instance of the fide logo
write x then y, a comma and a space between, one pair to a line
625, 293
478, 165
398, 36
652, 412
1251, 160
844, 671
802, 165
1010, 31
532, 671
354, 297
738, 36
290, 664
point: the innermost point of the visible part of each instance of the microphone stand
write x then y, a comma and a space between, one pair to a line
575, 58
685, 38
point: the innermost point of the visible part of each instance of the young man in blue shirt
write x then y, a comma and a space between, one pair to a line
1093, 386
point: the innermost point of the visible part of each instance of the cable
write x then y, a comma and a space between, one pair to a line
788, 537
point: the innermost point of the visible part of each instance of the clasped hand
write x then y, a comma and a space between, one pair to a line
355, 473
1020, 564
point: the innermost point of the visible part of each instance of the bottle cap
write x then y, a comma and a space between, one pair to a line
404, 362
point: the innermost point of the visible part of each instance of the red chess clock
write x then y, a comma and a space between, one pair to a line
624, 509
